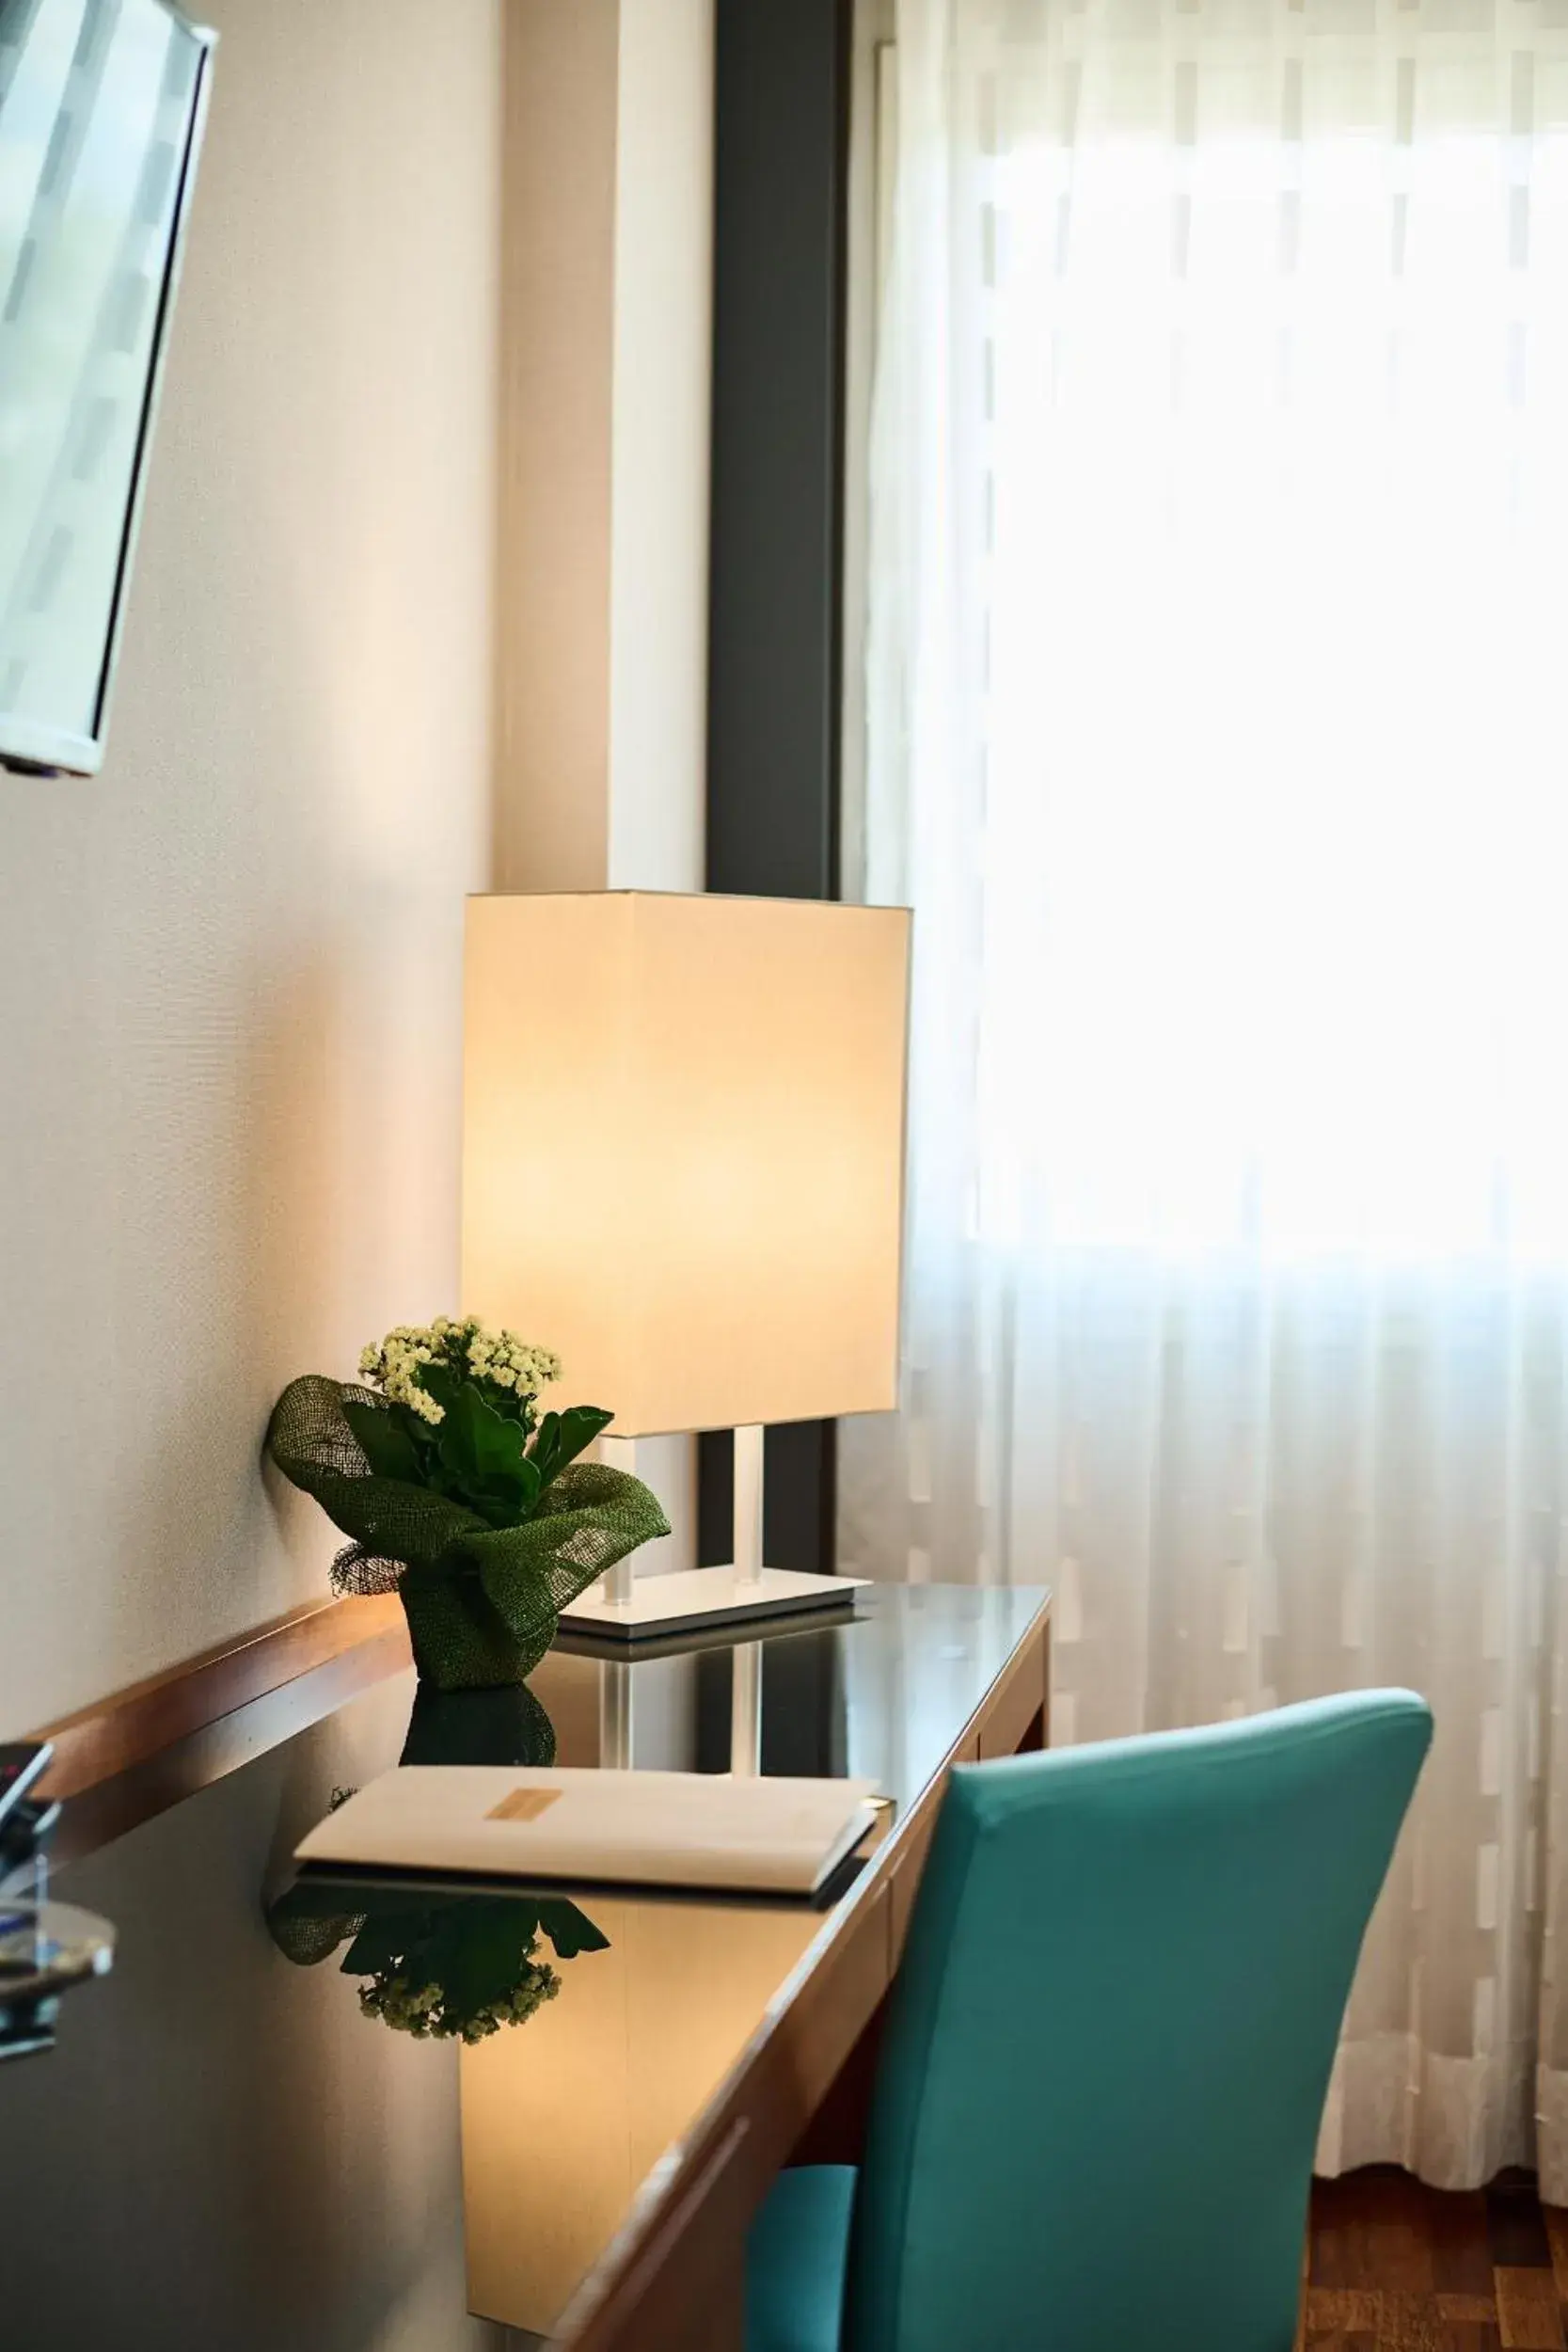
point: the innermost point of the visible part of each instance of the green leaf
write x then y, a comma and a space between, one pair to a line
442, 1383
570, 1930
510, 1406
484, 1453
386, 1447
424, 1437
475, 1952
502, 1502
378, 1944
477, 1441
563, 1436
542, 1453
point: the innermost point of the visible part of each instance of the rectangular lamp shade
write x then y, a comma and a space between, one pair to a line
683, 1132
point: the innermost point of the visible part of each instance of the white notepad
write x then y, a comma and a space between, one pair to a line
699, 1830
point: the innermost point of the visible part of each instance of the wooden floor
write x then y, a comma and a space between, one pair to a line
1396, 2268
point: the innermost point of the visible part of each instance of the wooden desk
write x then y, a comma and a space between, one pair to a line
708, 2046
223, 2149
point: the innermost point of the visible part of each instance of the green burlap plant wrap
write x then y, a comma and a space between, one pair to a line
482, 1601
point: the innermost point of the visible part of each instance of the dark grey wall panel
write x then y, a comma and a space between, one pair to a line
781, 163
781, 152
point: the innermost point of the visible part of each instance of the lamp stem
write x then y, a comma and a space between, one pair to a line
614, 1716
619, 1453
748, 1506
746, 1710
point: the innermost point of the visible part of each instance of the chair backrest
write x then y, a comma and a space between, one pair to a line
1110, 2045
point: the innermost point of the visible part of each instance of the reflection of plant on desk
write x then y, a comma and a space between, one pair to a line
441, 1967
445, 1966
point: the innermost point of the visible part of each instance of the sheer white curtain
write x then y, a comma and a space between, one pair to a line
1218, 733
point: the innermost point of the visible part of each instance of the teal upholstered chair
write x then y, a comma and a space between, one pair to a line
1108, 2050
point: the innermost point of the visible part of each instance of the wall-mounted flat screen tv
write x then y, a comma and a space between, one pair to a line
101, 103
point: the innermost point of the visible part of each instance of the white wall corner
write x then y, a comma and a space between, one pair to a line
660, 446
603, 555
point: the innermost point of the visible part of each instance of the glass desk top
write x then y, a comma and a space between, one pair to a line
239, 2144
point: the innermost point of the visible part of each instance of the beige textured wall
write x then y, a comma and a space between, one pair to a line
230, 967
558, 342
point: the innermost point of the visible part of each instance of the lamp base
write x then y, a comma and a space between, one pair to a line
699, 1601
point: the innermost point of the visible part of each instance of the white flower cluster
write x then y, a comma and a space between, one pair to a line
499, 1360
424, 2014
394, 1367
501, 1357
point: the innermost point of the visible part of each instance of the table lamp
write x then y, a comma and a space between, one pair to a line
683, 1170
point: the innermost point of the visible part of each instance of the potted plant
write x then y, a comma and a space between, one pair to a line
459, 1495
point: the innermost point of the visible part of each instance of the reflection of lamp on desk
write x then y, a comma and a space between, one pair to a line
683, 1157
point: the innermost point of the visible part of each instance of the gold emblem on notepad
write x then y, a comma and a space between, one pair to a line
523, 1805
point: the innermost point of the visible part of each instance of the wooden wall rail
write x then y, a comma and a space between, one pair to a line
132, 1725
